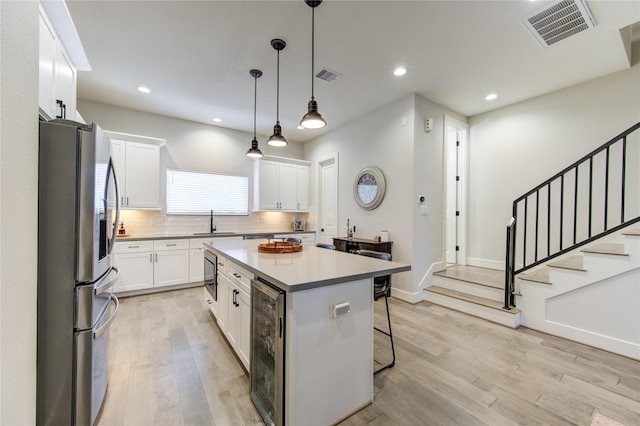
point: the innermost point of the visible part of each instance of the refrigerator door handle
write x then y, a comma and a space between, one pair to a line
103, 327
117, 222
106, 286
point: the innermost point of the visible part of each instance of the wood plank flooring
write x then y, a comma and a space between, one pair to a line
170, 365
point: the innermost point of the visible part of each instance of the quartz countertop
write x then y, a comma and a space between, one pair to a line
310, 268
218, 234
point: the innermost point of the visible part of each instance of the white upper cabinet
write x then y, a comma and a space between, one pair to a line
303, 187
281, 185
57, 74
137, 167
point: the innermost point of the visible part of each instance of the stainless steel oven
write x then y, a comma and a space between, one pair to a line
211, 274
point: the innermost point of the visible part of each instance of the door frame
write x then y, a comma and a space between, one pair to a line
461, 194
328, 158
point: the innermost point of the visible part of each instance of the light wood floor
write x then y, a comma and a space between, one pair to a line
170, 365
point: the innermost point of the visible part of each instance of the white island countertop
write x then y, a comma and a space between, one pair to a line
312, 267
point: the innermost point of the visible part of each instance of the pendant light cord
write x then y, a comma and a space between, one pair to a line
255, 102
313, 32
278, 91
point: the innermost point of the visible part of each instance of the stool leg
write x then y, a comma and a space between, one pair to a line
390, 334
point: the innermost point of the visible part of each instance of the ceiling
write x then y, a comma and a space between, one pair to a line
195, 56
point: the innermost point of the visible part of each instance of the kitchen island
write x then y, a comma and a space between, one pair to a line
328, 352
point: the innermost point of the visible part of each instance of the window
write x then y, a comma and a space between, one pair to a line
199, 193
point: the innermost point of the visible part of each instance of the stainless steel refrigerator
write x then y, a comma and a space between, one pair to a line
267, 350
78, 214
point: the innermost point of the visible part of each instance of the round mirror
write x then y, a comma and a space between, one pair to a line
369, 188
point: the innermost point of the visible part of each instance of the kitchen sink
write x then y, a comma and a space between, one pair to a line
214, 233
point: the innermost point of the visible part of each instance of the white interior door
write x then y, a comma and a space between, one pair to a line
455, 178
328, 199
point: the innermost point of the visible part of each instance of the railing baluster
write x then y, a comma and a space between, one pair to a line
561, 210
549, 219
535, 257
590, 196
525, 227
606, 191
575, 208
624, 177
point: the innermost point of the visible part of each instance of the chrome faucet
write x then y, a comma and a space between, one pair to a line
212, 227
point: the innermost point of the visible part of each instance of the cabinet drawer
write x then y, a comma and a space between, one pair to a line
240, 276
132, 246
222, 264
161, 245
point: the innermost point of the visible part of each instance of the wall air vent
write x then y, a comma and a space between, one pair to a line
559, 21
328, 75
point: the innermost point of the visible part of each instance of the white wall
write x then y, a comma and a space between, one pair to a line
515, 148
411, 161
18, 210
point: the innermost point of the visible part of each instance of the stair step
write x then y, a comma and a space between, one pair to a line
473, 274
574, 263
539, 276
616, 249
634, 231
470, 298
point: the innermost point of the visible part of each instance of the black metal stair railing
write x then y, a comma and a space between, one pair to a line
597, 195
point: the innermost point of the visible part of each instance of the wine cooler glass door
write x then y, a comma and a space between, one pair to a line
267, 345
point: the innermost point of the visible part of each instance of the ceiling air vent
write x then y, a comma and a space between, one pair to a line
559, 21
328, 75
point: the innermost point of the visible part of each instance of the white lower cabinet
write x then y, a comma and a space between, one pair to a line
135, 262
148, 264
233, 312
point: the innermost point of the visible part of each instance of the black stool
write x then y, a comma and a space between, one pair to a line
381, 286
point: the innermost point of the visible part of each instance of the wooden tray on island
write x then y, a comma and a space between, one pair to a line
279, 247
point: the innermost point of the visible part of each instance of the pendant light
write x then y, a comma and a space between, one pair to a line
312, 119
277, 139
254, 151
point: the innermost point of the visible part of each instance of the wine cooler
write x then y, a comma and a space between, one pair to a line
267, 350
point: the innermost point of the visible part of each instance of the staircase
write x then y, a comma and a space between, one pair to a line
475, 291
591, 296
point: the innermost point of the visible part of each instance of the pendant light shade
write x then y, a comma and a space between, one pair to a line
254, 151
312, 119
277, 139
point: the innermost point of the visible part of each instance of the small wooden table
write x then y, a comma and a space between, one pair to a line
350, 245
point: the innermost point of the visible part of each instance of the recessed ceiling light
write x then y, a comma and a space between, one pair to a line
300, 127
217, 120
399, 71
490, 97
144, 89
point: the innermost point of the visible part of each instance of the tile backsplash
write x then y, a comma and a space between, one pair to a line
142, 222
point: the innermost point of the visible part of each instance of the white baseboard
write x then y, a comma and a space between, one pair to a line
427, 278
485, 263
406, 296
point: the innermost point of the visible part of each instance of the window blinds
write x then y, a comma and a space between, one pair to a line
199, 193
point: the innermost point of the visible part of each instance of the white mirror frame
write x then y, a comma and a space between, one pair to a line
379, 177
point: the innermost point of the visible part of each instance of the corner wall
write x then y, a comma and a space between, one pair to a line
393, 139
18, 210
